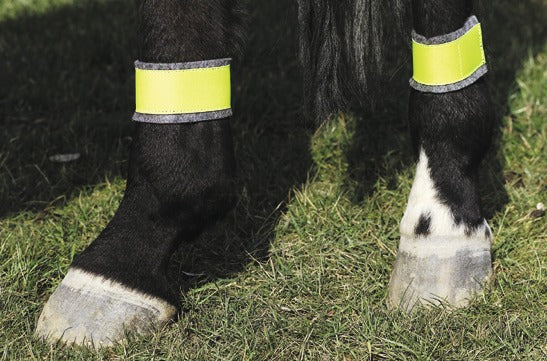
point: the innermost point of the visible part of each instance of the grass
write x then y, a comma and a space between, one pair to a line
299, 269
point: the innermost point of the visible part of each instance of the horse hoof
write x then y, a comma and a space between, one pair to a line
92, 311
437, 270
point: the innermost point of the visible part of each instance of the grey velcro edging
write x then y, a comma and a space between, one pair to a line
182, 66
450, 87
181, 118
446, 38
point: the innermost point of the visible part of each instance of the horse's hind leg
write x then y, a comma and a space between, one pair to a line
179, 182
444, 252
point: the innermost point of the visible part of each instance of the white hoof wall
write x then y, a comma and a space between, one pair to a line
433, 271
92, 311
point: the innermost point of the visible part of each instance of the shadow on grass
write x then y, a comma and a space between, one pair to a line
67, 86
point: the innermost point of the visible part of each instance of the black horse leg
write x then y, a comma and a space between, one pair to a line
179, 182
444, 252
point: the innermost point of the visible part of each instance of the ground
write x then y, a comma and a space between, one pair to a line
299, 270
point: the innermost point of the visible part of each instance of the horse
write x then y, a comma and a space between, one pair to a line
181, 176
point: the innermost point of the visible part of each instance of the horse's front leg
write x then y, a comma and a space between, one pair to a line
444, 251
179, 182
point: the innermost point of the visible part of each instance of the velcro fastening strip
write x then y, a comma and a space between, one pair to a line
170, 93
448, 62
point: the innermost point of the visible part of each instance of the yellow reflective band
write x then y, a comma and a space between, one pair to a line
450, 62
182, 91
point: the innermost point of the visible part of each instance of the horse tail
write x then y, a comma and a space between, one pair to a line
342, 47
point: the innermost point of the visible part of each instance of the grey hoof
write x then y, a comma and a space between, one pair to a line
91, 311
432, 270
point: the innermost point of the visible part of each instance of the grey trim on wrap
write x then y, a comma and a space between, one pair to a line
442, 39
450, 87
183, 117
446, 38
181, 66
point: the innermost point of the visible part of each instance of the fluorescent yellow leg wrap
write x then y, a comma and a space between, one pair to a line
182, 92
449, 62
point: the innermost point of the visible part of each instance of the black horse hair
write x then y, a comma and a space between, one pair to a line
343, 44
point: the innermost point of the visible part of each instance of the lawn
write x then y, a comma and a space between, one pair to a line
299, 269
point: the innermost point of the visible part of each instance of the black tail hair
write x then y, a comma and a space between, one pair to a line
342, 47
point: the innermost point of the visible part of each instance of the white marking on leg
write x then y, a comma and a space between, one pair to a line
445, 237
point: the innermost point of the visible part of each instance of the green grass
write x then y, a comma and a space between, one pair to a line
299, 269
